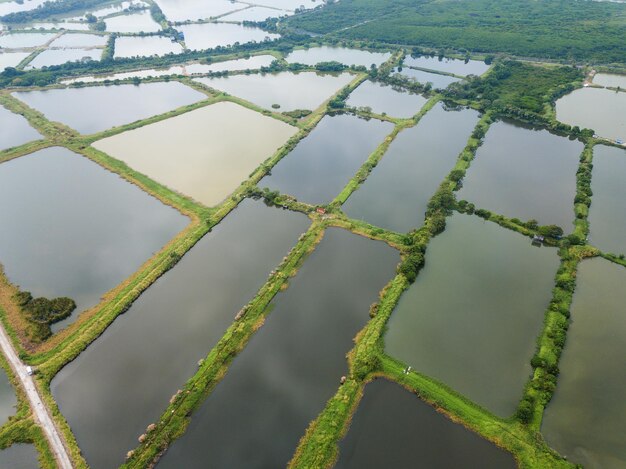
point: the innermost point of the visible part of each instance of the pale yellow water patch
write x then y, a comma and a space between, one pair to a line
205, 153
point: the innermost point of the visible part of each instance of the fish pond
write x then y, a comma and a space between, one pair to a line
135, 23
607, 214
211, 35
183, 10
610, 80
586, 418
19, 456
396, 194
15, 130
394, 428
147, 46
255, 14
51, 57
437, 80
25, 40
384, 99
289, 376
115, 226
284, 91
343, 55
205, 153
109, 106
124, 380
525, 173
599, 109
322, 164
443, 64
472, 317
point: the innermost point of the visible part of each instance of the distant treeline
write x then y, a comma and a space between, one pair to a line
48, 9
555, 29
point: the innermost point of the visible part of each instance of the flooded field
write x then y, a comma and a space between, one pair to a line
525, 173
610, 79
211, 35
109, 106
346, 56
396, 193
604, 111
394, 428
145, 46
438, 81
218, 146
19, 456
283, 367
115, 226
182, 10
287, 90
586, 419
323, 163
474, 313
135, 23
15, 130
19, 40
383, 99
60, 56
607, 214
444, 64
125, 379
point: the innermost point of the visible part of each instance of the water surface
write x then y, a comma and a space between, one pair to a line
290, 91
280, 382
438, 81
20, 40
19, 456
15, 130
182, 10
210, 35
145, 46
94, 109
250, 63
123, 381
607, 215
8, 399
384, 99
71, 228
323, 163
11, 59
472, 317
60, 56
586, 419
134, 23
396, 194
602, 110
456, 66
255, 14
79, 40
343, 55
525, 173
205, 153
610, 79
394, 428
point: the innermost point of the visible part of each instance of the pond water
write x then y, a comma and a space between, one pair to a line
456, 66
607, 215
305, 90
14, 7
210, 35
289, 4
602, 110
11, 59
385, 99
182, 10
586, 419
283, 367
19, 456
70, 26
323, 163
396, 193
438, 81
109, 106
473, 315
79, 40
255, 14
205, 153
610, 79
124, 380
135, 23
251, 63
19, 40
394, 428
145, 46
15, 130
8, 400
59, 56
175, 70
346, 56
115, 226
525, 173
